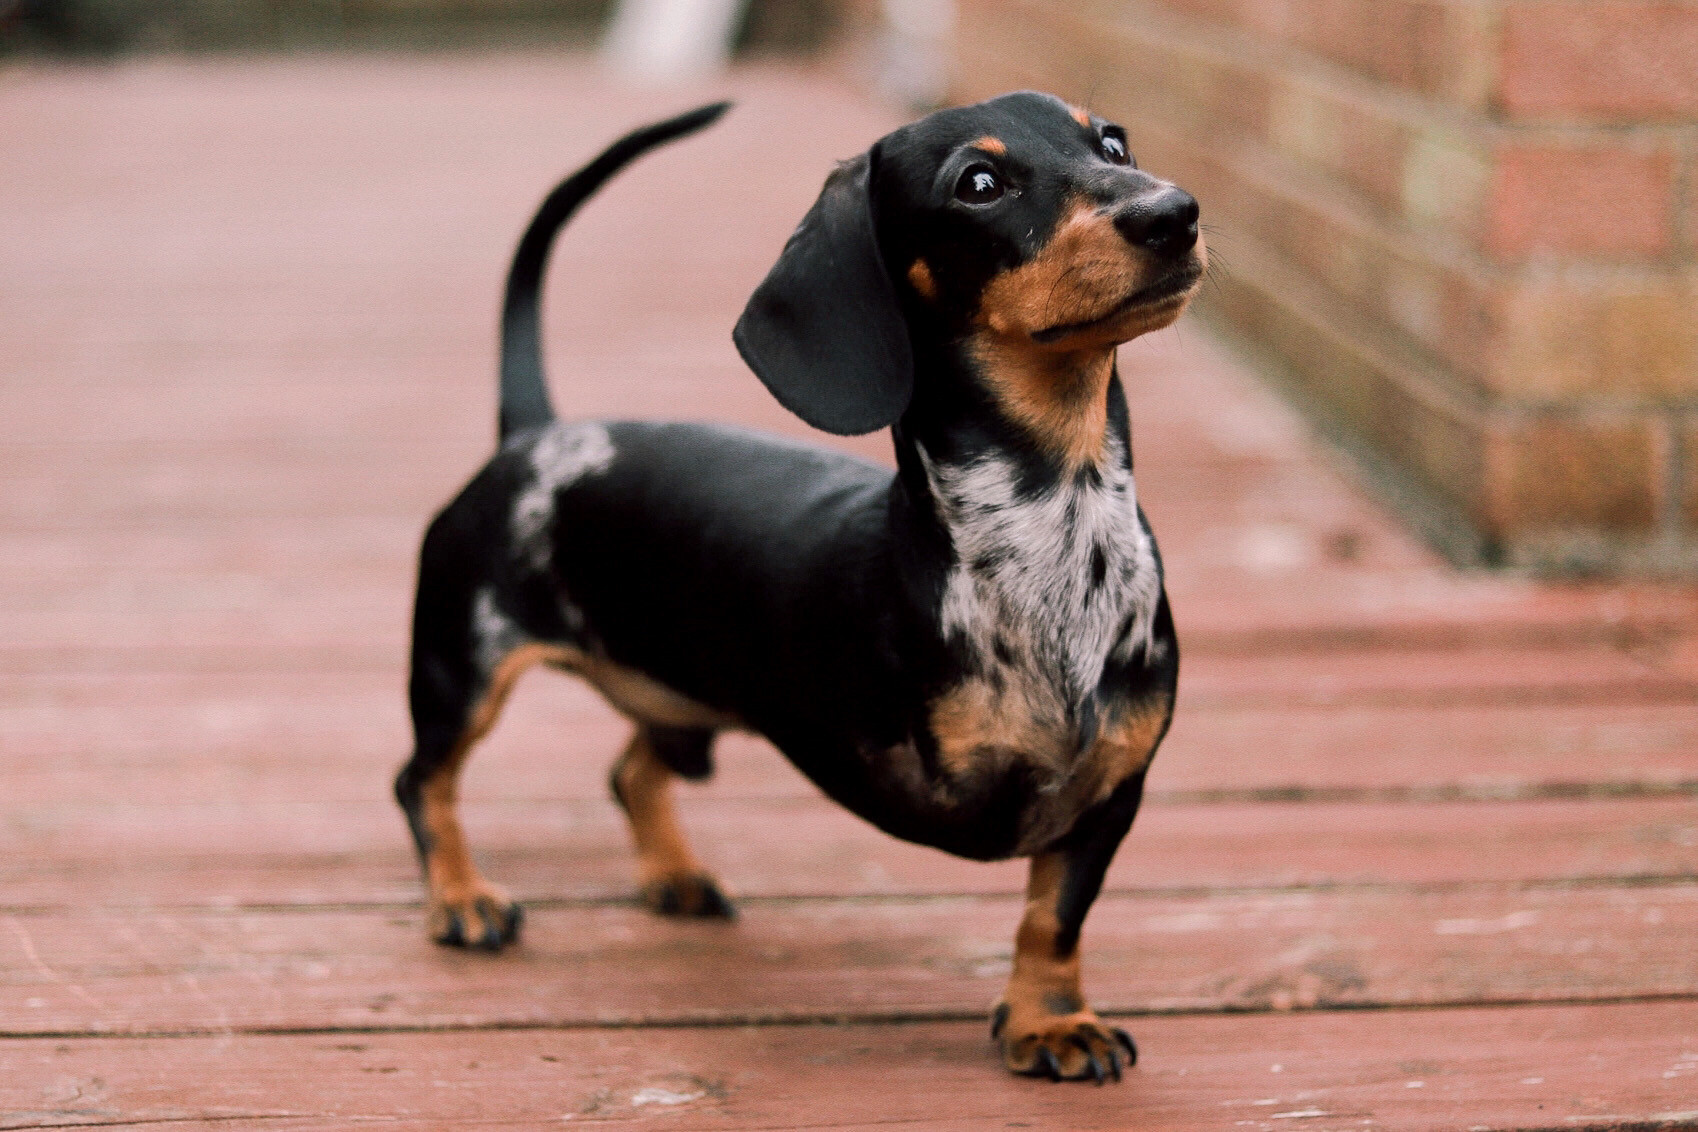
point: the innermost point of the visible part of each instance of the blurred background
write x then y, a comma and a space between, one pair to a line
1459, 234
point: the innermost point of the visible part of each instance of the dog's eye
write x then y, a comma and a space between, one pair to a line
978, 185
1114, 147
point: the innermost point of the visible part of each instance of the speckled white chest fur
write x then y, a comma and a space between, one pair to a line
1062, 579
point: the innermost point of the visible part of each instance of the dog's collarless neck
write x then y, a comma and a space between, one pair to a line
1051, 572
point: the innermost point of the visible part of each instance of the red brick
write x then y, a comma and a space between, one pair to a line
1443, 306
1436, 47
1545, 474
1399, 41
1592, 60
1531, 339
1342, 137
1609, 201
1352, 389
1616, 335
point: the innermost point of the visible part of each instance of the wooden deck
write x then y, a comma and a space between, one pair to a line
1422, 850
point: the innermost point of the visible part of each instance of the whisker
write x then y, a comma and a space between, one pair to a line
1214, 275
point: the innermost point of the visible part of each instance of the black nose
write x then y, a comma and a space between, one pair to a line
1165, 221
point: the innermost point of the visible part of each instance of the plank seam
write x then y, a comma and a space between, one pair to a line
841, 1018
1130, 892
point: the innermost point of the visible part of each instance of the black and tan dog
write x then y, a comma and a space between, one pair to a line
974, 653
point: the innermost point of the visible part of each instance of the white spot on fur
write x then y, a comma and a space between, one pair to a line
1024, 574
562, 454
494, 634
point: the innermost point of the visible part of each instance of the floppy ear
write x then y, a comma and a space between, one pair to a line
823, 330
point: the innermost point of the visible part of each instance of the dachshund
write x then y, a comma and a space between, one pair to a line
974, 652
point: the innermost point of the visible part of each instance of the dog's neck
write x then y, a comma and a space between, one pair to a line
1058, 399
1057, 412
1052, 569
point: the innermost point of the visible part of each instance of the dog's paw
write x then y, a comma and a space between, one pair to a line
482, 919
1062, 1047
690, 894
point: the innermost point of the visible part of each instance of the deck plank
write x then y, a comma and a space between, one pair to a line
163, 971
297, 731
1572, 1067
271, 854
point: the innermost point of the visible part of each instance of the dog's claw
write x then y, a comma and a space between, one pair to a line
489, 939
500, 925
1091, 1063
1076, 1047
1125, 1039
697, 896
453, 935
715, 903
487, 921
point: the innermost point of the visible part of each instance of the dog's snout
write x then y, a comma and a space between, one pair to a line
1165, 222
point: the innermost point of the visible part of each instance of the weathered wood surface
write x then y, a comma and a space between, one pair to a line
327, 968
277, 854
1427, 843
1585, 1067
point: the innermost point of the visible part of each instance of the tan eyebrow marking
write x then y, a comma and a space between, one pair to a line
1082, 117
991, 145
920, 275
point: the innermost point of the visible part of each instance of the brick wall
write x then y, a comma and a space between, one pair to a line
1466, 230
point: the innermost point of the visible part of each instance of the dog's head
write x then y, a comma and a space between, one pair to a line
1020, 226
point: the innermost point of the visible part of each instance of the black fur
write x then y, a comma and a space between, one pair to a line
524, 389
824, 330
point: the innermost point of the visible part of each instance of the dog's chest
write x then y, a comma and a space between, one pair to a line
1050, 588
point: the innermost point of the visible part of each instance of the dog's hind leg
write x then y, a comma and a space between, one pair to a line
673, 881
466, 659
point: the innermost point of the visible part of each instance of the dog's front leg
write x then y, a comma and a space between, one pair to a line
1042, 1022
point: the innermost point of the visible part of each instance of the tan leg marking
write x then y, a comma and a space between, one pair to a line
464, 907
673, 881
1127, 746
641, 698
1042, 1021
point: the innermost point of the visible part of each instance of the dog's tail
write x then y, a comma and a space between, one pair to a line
524, 389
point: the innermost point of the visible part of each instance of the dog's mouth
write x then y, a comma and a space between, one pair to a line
1170, 290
